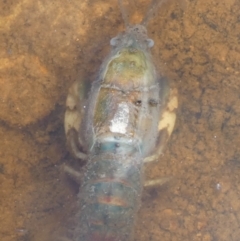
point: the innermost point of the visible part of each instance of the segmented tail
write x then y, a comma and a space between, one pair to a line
109, 198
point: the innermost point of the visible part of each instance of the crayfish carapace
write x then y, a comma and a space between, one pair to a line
122, 121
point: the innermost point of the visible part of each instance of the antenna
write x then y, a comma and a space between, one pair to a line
154, 6
124, 13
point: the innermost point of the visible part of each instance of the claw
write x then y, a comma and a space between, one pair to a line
73, 142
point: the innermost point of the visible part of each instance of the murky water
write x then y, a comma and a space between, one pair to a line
46, 45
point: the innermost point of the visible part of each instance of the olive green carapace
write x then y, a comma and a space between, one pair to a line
128, 70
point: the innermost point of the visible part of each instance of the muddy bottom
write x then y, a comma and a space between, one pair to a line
46, 45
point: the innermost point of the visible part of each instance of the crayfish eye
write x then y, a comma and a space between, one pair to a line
114, 41
150, 43
138, 102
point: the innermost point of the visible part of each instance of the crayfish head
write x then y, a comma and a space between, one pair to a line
134, 37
